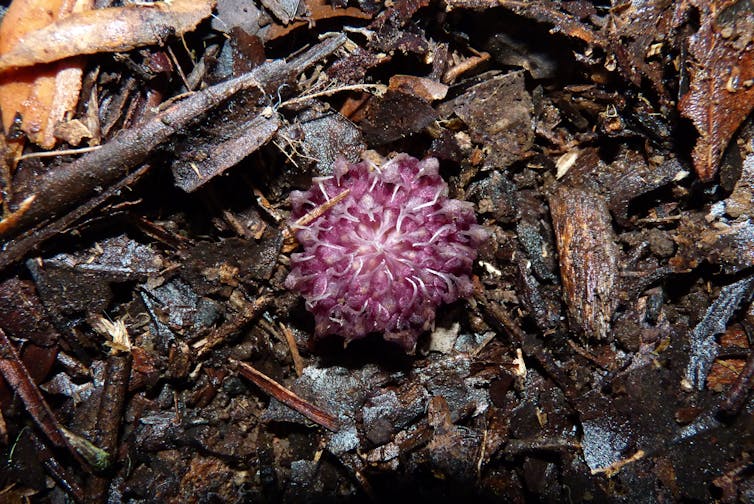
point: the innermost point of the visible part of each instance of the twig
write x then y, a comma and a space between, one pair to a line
324, 207
178, 68
18, 378
298, 363
304, 220
66, 481
64, 152
616, 467
69, 183
16, 249
285, 396
378, 88
112, 401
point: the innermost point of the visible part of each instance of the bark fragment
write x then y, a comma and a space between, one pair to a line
588, 258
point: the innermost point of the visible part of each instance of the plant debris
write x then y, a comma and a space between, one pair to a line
150, 351
127, 28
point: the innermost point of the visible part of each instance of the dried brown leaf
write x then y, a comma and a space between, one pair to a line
106, 30
721, 95
319, 10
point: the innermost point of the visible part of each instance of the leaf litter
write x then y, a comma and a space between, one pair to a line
605, 353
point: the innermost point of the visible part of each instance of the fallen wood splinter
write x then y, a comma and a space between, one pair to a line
285, 396
18, 378
10, 220
616, 467
290, 243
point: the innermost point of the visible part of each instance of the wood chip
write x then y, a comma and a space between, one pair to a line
588, 258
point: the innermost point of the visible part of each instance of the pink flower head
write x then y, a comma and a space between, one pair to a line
387, 254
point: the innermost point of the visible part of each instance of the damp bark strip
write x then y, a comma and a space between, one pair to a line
18, 378
285, 396
67, 184
109, 418
16, 249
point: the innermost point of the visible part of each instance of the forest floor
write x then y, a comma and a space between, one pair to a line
151, 352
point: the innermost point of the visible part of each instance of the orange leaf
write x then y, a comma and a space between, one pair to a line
106, 30
319, 10
44, 94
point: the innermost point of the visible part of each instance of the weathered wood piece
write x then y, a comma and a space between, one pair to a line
83, 178
588, 258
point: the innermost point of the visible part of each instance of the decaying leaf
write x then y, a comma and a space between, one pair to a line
724, 371
639, 33
722, 72
106, 30
319, 10
44, 94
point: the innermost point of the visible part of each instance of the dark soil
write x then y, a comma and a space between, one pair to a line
605, 356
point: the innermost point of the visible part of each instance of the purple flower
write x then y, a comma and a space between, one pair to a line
383, 257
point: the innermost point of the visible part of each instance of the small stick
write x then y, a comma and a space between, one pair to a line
298, 362
377, 88
324, 207
18, 378
616, 467
15, 249
59, 473
112, 401
289, 243
64, 152
285, 396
